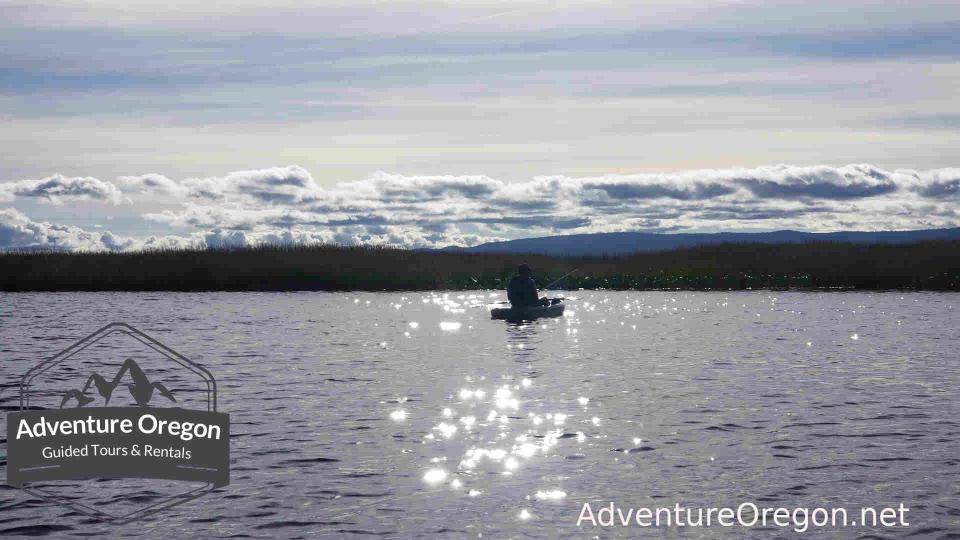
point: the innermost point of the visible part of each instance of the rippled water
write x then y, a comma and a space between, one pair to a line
414, 415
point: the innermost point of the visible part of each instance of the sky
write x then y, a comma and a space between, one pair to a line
425, 124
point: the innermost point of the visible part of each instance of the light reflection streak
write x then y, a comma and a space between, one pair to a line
485, 444
551, 495
494, 431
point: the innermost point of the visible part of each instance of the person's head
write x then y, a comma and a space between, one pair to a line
523, 270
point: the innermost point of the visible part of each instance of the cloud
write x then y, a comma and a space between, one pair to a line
850, 182
655, 187
419, 188
225, 239
478, 87
17, 231
152, 183
948, 188
277, 185
940, 184
439, 206
286, 205
58, 188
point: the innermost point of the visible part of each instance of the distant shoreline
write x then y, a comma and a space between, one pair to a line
928, 265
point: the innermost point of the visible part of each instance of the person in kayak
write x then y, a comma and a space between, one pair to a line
522, 290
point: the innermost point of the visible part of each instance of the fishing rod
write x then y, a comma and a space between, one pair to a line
545, 287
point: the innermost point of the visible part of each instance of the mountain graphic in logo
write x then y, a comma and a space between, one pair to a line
141, 389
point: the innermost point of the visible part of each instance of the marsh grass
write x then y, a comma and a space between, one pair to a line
924, 265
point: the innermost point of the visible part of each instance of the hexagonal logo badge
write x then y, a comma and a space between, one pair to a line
120, 412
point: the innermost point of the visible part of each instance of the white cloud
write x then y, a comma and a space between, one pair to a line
285, 205
277, 185
152, 183
19, 231
809, 198
58, 188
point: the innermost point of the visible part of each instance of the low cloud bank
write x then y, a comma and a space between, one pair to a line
286, 205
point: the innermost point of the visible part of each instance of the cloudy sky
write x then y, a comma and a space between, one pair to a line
435, 123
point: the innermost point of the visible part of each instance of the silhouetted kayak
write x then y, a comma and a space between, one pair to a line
524, 314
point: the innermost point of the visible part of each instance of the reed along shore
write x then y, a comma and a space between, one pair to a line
931, 265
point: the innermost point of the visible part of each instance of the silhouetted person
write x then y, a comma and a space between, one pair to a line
522, 290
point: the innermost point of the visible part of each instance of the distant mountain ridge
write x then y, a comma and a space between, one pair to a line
623, 243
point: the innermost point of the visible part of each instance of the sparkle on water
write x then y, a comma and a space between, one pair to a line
630, 394
551, 495
435, 476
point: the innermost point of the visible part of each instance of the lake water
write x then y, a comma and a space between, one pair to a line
414, 415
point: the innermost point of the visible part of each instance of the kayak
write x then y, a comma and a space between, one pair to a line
526, 314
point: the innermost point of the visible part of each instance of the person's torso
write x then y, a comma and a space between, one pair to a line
523, 290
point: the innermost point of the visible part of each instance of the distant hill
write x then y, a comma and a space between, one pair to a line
622, 243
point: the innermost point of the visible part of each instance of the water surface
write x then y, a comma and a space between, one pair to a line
414, 415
